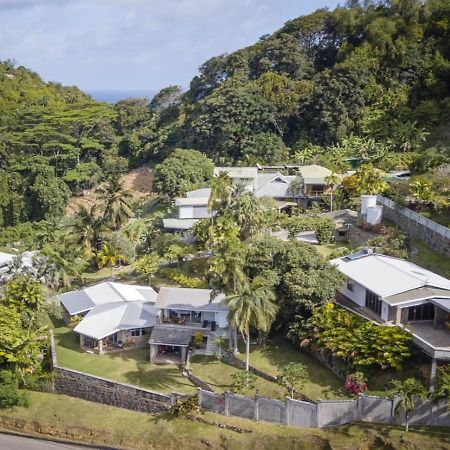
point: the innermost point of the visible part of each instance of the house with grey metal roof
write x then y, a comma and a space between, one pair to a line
184, 313
189, 210
394, 291
113, 315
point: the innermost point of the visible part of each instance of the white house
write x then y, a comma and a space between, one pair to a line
114, 314
391, 290
189, 210
183, 313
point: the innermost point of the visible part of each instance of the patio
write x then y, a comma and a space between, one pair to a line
434, 341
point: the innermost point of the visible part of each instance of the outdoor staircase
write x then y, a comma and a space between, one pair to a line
211, 346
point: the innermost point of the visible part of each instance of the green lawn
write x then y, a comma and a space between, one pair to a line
219, 377
431, 259
62, 416
322, 382
132, 366
326, 250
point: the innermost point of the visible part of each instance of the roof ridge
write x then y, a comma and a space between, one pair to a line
112, 284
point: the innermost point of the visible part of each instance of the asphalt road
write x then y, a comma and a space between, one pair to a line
10, 442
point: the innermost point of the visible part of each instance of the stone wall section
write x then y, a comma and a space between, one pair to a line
431, 233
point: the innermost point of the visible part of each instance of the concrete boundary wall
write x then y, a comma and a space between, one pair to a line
432, 233
324, 413
304, 414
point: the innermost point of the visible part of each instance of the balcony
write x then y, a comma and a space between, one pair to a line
433, 341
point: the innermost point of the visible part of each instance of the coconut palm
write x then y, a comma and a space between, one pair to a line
108, 256
221, 190
332, 181
252, 306
86, 229
407, 391
117, 203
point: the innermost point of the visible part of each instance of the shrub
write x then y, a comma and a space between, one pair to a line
147, 265
74, 321
355, 383
323, 227
198, 339
9, 391
182, 279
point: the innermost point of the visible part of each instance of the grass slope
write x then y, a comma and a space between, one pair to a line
132, 366
322, 383
62, 416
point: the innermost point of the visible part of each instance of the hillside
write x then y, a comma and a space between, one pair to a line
369, 80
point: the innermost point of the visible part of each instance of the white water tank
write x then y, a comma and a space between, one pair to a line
374, 214
366, 202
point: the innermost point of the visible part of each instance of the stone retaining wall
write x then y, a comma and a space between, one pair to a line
230, 359
198, 382
108, 392
417, 225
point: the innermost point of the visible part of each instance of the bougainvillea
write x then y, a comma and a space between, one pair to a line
355, 383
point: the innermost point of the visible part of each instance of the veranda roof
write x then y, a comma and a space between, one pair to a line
85, 299
104, 320
171, 335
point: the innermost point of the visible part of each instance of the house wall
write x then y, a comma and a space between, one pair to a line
185, 212
222, 319
200, 212
358, 295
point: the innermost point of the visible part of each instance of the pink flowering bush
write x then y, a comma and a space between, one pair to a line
355, 383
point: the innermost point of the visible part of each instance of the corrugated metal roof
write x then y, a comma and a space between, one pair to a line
238, 172
107, 319
171, 335
192, 201
179, 224
202, 193
314, 174
6, 258
443, 303
386, 275
190, 299
417, 294
102, 293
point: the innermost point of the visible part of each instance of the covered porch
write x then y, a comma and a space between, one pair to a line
190, 318
169, 344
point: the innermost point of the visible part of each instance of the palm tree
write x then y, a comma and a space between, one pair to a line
108, 256
252, 306
332, 181
86, 229
221, 190
407, 391
117, 203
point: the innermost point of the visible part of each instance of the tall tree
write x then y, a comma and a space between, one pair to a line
252, 306
117, 201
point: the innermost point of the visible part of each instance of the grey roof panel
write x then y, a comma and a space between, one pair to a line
417, 294
171, 335
191, 299
76, 302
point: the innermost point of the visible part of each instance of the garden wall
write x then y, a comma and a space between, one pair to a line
433, 234
324, 413
306, 414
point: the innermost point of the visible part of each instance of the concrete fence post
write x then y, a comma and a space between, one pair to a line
359, 406
288, 411
173, 398
318, 408
392, 415
256, 408
225, 403
199, 399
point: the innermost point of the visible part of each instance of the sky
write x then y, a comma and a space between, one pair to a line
135, 45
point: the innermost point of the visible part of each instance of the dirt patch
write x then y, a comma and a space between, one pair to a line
139, 181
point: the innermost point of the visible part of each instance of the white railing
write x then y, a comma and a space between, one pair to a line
415, 217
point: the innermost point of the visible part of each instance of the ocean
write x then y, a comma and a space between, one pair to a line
115, 96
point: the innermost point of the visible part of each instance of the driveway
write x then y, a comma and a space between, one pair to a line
13, 442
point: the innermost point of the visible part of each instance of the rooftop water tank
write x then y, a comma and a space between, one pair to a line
374, 215
366, 202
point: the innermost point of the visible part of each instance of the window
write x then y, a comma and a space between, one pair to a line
350, 284
373, 302
138, 332
421, 312
317, 189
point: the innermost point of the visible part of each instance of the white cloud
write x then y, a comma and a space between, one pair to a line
131, 44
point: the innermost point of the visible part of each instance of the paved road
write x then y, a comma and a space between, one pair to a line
10, 442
